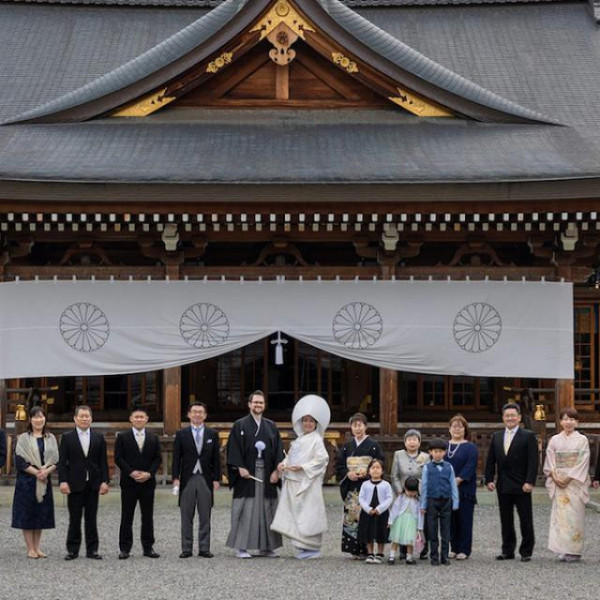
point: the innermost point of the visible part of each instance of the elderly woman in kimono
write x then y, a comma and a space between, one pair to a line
567, 471
301, 513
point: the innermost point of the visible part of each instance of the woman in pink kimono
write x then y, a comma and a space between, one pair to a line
567, 470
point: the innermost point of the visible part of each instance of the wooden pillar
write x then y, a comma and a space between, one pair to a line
3, 394
172, 400
564, 397
388, 383
388, 401
172, 376
3, 403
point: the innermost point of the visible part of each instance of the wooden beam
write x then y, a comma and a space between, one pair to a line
63, 197
290, 272
235, 77
282, 82
564, 398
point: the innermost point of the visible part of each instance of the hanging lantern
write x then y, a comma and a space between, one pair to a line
279, 341
20, 413
540, 413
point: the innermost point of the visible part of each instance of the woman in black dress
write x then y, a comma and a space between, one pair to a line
36, 457
352, 474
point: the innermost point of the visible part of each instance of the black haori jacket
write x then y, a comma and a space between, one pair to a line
241, 452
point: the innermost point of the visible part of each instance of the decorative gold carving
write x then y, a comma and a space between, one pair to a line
282, 37
283, 12
145, 105
219, 62
418, 106
344, 62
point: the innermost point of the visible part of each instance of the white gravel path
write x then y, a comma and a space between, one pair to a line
333, 576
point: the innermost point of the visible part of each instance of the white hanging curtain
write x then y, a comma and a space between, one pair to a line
494, 329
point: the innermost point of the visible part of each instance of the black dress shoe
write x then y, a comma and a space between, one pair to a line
435, 562
94, 556
445, 562
71, 556
151, 554
505, 557
185, 555
205, 554
424, 554
525, 558
123, 555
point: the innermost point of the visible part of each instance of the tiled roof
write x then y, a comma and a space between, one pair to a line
213, 3
73, 47
546, 57
148, 67
144, 65
292, 146
417, 63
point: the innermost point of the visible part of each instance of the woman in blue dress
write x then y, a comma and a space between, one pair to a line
462, 455
36, 457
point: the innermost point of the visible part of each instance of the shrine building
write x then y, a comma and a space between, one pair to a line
303, 140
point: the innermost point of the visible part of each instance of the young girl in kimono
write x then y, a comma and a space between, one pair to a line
375, 498
406, 521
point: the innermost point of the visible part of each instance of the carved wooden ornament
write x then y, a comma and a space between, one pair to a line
344, 62
144, 106
283, 12
219, 62
418, 106
282, 37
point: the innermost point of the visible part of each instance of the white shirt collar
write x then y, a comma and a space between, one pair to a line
139, 432
82, 431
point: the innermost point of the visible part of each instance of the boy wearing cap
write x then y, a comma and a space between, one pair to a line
439, 497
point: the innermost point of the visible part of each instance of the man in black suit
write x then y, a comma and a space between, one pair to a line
196, 474
83, 474
138, 456
513, 459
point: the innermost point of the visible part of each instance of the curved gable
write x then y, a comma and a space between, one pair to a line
217, 43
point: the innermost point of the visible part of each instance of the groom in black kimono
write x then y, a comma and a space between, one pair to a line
254, 449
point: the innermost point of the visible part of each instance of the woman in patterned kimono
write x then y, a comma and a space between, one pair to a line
351, 472
567, 471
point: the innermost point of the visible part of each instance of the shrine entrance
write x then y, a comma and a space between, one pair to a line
225, 382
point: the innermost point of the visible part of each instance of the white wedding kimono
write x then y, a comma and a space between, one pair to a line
301, 513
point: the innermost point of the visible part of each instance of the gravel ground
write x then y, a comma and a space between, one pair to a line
332, 576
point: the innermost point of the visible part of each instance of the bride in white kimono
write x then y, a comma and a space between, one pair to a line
301, 513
